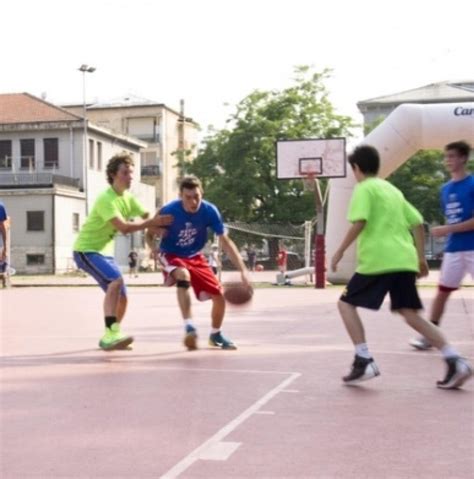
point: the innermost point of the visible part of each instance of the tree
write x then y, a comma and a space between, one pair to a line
237, 164
420, 180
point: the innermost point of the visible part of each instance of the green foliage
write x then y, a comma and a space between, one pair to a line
237, 164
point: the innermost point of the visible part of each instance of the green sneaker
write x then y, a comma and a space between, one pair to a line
114, 339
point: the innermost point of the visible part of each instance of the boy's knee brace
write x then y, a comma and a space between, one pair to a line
183, 283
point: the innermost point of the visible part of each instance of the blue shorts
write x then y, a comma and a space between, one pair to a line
102, 268
3, 267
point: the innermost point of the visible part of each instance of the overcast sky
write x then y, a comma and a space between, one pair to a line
213, 52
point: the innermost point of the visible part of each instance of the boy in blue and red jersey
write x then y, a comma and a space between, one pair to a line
185, 266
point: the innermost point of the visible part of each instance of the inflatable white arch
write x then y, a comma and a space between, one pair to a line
408, 129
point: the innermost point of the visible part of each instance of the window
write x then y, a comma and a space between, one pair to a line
6, 154
75, 222
34, 259
27, 148
91, 154
51, 156
99, 156
35, 220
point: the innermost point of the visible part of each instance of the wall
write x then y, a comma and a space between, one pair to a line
25, 242
66, 203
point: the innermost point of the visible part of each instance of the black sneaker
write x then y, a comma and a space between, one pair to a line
459, 371
362, 370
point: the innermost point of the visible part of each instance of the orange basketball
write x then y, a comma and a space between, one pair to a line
237, 293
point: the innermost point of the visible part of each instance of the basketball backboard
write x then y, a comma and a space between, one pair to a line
321, 157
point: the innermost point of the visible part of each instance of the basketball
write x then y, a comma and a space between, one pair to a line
258, 267
237, 293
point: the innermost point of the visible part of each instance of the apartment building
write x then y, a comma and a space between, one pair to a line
52, 167
166, 131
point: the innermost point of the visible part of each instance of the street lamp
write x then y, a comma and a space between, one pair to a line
85, 69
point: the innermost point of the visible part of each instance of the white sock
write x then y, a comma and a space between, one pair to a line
215, 330
362, 350
188, 322
449, 352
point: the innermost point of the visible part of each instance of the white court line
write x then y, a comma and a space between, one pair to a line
200, 451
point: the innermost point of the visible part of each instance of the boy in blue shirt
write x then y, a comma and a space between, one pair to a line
457, 201
185, 266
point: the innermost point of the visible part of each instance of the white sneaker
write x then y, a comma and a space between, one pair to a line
459, 371
421, 343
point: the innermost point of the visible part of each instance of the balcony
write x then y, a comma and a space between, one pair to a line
35, 180
151, 170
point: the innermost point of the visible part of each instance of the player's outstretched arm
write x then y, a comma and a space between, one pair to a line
445, 230
232, 252
126, 227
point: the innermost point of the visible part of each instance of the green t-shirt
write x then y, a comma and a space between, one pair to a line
385, 244
97, 234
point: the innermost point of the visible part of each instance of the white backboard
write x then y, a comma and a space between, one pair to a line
324, 157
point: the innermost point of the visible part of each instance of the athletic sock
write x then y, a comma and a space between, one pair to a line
188, 322
449, 352
362, 350
109, 320
215, 330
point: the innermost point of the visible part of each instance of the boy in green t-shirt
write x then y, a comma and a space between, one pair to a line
388, 262
93, 249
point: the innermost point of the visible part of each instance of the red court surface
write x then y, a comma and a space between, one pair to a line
275, 408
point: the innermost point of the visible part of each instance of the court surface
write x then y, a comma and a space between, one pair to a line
275, 408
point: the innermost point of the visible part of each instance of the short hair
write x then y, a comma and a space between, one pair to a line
115, 162
189, 183
367, 158
461, 147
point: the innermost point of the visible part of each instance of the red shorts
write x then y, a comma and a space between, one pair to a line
203, 279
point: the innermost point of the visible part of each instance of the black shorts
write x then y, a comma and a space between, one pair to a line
369, 291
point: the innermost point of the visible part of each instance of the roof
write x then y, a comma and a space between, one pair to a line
127, 101
442, 92
121, 102
26, 108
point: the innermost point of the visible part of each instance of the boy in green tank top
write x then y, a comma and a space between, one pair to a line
388, 261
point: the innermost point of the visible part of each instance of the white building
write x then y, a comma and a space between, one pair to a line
45, 183
165, 130
375, 109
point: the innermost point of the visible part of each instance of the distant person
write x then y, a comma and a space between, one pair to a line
251, 258
214, 260
457, 200
94, 246
3, 245
133, 264
184, 265
3, 232
387, 262
282, 259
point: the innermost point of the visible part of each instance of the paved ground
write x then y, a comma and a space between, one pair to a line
273, 409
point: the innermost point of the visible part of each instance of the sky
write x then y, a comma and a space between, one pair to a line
213, 53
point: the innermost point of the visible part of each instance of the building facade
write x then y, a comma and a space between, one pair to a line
167, 132
52, 167
375, 109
